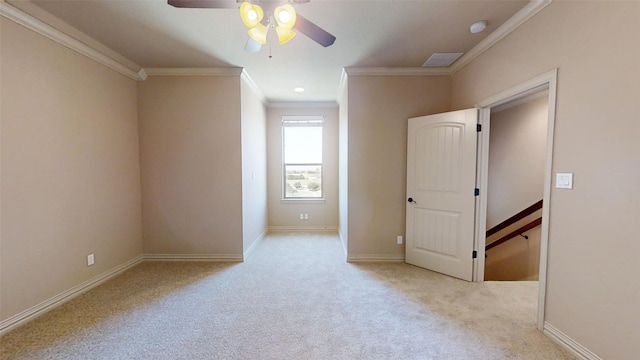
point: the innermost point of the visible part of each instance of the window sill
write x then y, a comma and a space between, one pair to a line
302, 201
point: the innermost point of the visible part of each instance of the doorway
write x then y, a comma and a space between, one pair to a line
543, 82
517, 144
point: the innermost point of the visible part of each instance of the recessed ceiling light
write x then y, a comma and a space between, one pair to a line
298, 89
478, 26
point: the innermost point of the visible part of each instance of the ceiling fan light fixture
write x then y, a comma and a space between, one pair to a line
251, 14
259, 33
285, 16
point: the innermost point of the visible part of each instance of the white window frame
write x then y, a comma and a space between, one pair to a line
301, 121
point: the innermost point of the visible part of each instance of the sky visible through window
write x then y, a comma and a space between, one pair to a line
303, 145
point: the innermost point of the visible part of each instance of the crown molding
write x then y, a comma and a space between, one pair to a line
399, 71
22, 18
528, 11
252, 85
195, 71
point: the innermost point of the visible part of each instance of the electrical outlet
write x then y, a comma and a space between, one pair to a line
90, 259
399, 239
301, 216
306, 216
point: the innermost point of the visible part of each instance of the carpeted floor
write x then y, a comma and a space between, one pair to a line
294, 298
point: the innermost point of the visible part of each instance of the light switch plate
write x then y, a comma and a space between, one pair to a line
564, 180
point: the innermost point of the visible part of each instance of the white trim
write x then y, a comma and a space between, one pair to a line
143, 75
303, 228
375, 258
63, 297
288, 120
254, 245
303, 201
204, 71
482, 177
526, 88
19, 17
524, 99
389, 71
343, 244
193, 257
549, 80
343, 85
302, 105
528, 11
252, 85
568, 343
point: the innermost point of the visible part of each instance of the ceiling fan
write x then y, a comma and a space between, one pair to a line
283, 18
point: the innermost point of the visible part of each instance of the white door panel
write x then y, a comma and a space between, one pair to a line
441, 166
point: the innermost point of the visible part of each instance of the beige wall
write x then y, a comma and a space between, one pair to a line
378, 110
593, 290
254, 166
191, 163
70, 170
285, 214
517, 153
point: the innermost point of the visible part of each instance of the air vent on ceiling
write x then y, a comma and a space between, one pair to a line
442, 59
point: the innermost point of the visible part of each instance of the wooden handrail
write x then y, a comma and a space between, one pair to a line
515, 218
514, 233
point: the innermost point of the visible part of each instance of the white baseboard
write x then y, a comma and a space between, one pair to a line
344, 245
568, 343
375, 258
47, 305
193, 257
254, 245
303, 228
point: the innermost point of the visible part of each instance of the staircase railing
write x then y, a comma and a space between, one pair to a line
512, 220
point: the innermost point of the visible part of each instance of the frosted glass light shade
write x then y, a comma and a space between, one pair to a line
285, 16
259, 33
251, 14
284, 34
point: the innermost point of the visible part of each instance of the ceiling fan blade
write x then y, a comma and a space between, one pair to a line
205, 4
313, 31
252, 45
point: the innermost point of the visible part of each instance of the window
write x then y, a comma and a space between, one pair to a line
302, 157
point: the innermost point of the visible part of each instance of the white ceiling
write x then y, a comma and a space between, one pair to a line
373, 33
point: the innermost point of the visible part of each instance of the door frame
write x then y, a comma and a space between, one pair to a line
545, 81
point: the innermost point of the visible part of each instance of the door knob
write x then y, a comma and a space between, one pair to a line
412, 201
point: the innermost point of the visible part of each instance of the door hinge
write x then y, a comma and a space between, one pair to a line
478, 127
474, 254
476, 192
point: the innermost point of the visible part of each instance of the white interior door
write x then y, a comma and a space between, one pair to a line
441, 178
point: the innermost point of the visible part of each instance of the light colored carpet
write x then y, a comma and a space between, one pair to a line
294, 298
